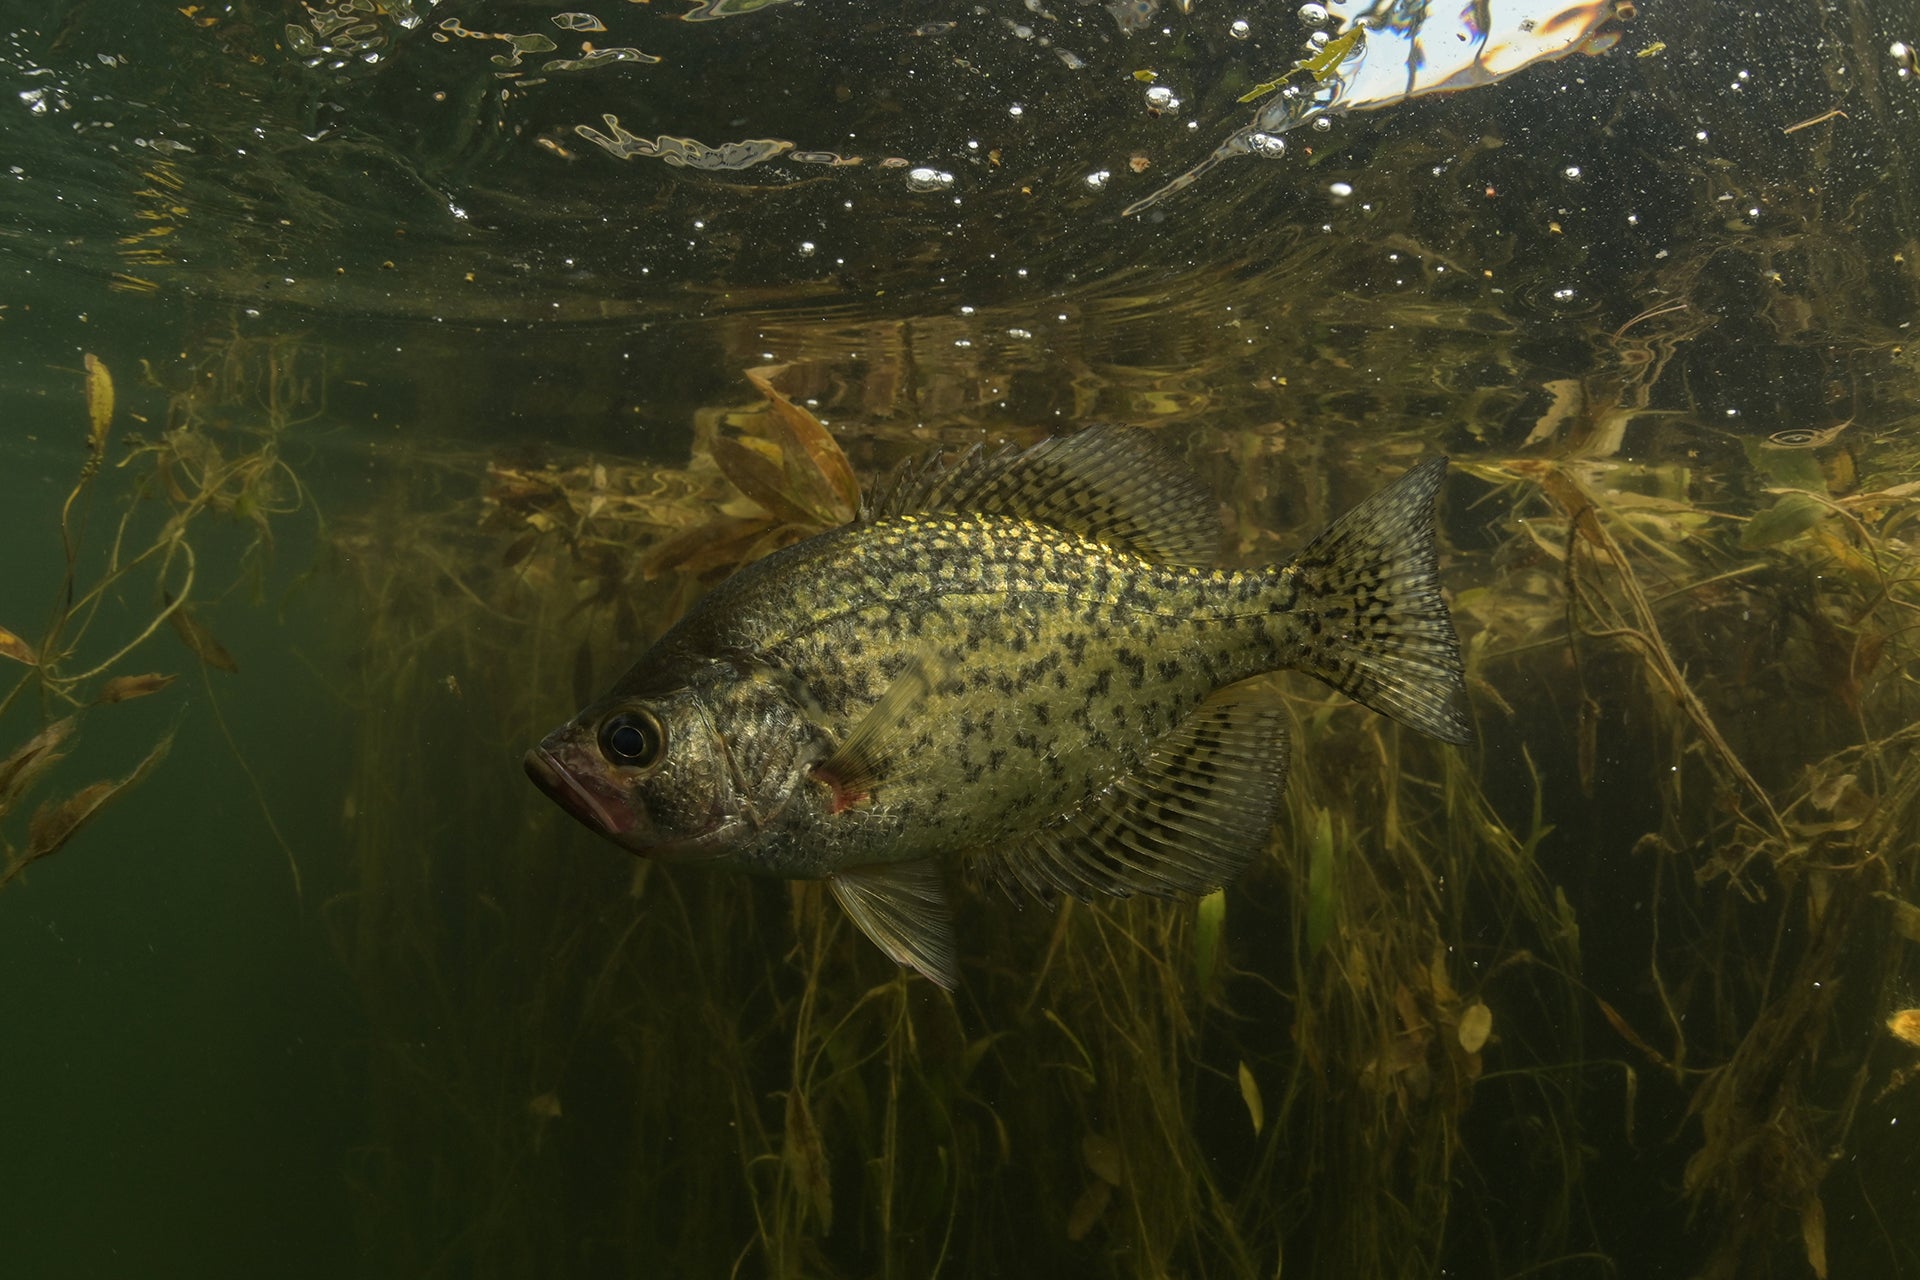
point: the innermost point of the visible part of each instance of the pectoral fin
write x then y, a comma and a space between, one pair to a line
1199, 808
902, 907
880, 745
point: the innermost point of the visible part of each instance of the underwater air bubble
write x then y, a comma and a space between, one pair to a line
1161, 98
1268, 146
926, 178
1314, 15
1097, 180
1240, 29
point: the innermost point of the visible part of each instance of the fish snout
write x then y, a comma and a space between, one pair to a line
594, 802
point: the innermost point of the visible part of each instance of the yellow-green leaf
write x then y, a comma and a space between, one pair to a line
1791, 515
1250, 1094
1476, 1024
1209, 924
12, 646
127, 688
55, 824
1906, 916
19, 771
1088, 1208
99, 402
194, 634
1102, 1155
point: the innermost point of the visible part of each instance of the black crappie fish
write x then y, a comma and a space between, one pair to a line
1020, 663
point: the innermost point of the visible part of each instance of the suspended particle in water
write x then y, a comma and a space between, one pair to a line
1240, 29
926, 178
1268, 146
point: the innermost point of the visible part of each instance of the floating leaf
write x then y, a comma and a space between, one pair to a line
1250, 1094
99, 402
1320, 888
806, 1159
194, 634
12, 646
1476, 1024
127, 688
1209, 922
1791, 515
1905, 1024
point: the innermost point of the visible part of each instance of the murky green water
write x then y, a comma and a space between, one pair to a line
422, 322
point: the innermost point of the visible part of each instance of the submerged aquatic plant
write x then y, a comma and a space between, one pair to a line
1398, 1047
181, 477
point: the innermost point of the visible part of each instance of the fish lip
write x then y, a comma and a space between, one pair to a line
567, 791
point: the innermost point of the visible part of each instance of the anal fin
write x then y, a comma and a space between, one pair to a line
1191, 817
902, 907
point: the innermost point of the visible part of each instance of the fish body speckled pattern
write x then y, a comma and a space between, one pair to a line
1021, 666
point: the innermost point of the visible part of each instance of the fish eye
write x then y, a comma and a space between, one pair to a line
635, 739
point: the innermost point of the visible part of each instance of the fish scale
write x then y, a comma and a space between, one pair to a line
1017, 665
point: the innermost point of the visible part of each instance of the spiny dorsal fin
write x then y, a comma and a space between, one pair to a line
1191, 817
1114, 484
902, 907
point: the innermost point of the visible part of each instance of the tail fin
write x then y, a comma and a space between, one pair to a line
1385, 637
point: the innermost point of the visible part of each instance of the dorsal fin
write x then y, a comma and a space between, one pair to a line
1114, 484
1199, 808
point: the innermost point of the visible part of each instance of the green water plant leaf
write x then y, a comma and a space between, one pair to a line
1209, 922
1791, 515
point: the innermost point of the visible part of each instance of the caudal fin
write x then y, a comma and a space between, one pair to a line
1385, 637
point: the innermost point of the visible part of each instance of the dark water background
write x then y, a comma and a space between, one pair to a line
199, 1059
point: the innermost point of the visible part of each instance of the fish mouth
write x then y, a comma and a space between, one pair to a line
609, 815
